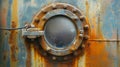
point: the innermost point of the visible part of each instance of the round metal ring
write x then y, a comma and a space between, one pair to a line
69, 11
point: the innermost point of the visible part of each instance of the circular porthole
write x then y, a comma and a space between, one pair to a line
60, 32
65, 29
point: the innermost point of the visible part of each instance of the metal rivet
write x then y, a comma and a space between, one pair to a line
82, 18
81, 31
72, 49
65, 6
75, 53
75, 19
44, 19
44, 11
74, 10
54, 58
80, 35
37, 20
86, 37
54, 6
83, 46
86, 27
48, 49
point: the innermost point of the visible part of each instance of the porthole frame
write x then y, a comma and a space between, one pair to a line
75, 15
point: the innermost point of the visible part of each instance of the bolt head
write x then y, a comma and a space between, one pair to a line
86, 27
81, 31
44, 18
75, 53
65, 7
48, 49
37, 20
81, 35
54, 6
86, 37
43, 11
82, 17
54, 58
74, 10
83, 46
75, 19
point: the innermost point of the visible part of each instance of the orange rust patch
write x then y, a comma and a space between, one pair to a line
38, 59
13, 42
96, 55
13, 35
34, 57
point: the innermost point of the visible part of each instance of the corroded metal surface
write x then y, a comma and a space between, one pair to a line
102, 50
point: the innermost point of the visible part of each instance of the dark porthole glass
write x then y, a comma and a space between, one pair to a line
60, 31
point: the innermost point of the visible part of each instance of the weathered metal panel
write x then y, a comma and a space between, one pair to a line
103, 50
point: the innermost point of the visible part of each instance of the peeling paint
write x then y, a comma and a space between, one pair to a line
102, 15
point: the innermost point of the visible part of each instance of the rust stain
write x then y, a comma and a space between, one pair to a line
61, 64
38, 60
13, 35
96, 55
3, 13
13, 44
4, 16
28, 49
34, 57
69, 63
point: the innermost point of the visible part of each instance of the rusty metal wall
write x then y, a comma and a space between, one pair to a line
102, 51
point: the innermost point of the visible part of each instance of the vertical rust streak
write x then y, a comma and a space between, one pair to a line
34, 57
87, 11
96, 55
13, 36
38, 58
98, 30
13, 45
28, 60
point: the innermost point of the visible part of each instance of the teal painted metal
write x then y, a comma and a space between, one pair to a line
106, 12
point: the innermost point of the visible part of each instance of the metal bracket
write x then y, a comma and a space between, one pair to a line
32, 33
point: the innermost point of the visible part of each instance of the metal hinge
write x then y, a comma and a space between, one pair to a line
32, 32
